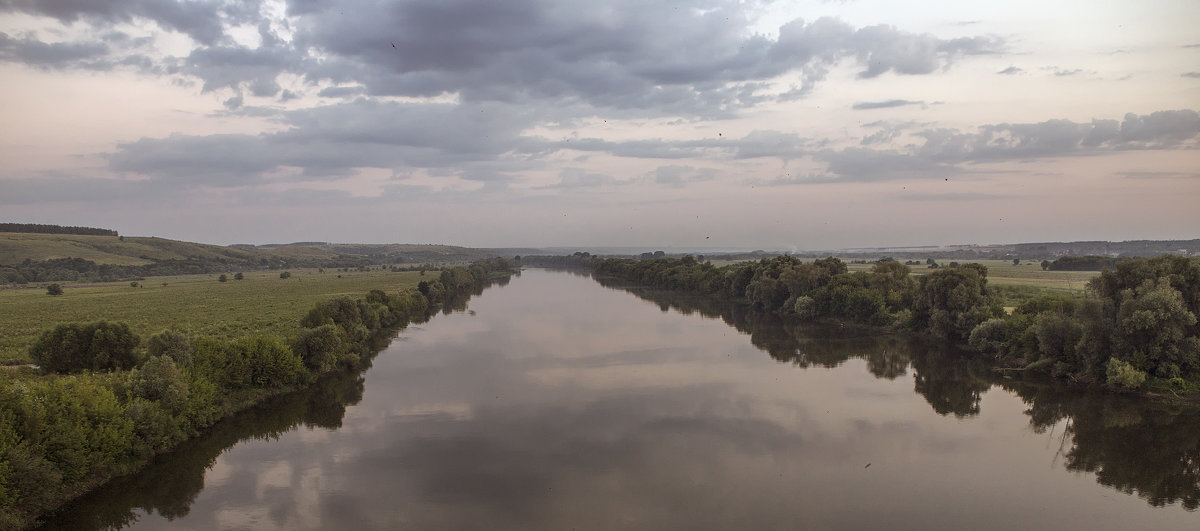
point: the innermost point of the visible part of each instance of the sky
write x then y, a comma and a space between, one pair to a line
751, 124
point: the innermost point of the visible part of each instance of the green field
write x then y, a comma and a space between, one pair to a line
197, 304
1002, 273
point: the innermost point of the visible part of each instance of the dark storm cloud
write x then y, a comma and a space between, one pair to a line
232, 66
199, 19
682, 57
687, 58
887, 104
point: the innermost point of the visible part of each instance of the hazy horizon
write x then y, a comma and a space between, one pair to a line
770, 125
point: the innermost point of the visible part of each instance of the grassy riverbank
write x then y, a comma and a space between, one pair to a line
200, 305
112, 394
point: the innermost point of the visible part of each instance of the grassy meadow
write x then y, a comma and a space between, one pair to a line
198, 304
1016, 282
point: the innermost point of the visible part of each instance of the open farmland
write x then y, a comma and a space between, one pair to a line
199, 304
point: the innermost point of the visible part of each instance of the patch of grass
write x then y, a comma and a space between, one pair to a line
196, 304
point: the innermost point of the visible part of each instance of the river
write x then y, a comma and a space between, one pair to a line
556, 402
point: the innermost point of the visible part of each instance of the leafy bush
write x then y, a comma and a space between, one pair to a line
91, 346
172, 344
161, 381
54, 289
1122, 376
319, 348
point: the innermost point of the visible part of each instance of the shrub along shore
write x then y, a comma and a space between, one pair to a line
104, 402
1135, 329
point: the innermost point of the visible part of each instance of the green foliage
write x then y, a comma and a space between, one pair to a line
990, 337
249, 362
60, 435
1083, 263
1155, 331
91, 346
238, 276
951, 302
1123, 376
805, 308
54, 289
285, 274
320, 347
160, 380
172, 344
1057, 335
222, 278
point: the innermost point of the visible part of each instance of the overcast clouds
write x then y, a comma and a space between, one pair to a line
753, 124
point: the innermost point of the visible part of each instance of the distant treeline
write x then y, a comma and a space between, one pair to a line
1084, 263
108, 400
1136, 330
55, 229
81, 270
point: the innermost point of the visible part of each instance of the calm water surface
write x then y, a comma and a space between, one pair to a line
558, 403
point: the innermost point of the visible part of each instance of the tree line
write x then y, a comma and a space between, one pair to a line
107, 401
1135, 330
55, 229
83, 270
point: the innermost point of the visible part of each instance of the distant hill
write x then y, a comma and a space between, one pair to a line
40, 257
37, 228
1037, 251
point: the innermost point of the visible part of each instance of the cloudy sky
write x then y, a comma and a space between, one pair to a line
738, 124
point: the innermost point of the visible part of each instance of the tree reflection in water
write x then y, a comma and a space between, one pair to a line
1135, 445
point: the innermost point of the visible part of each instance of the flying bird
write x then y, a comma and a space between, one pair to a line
393, 45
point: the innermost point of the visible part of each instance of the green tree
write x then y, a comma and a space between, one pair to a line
1123, 376
172, 344
892, 280
951, 302
285, 274
91, 346
1152, 331
54, 289
320, 347
222, 278
160, 380
239, 275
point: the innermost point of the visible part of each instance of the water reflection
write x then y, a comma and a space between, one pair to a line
556, 403
1136, 446
170, 485
953, 383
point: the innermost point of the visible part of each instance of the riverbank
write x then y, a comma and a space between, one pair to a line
62, 435
1136, 331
